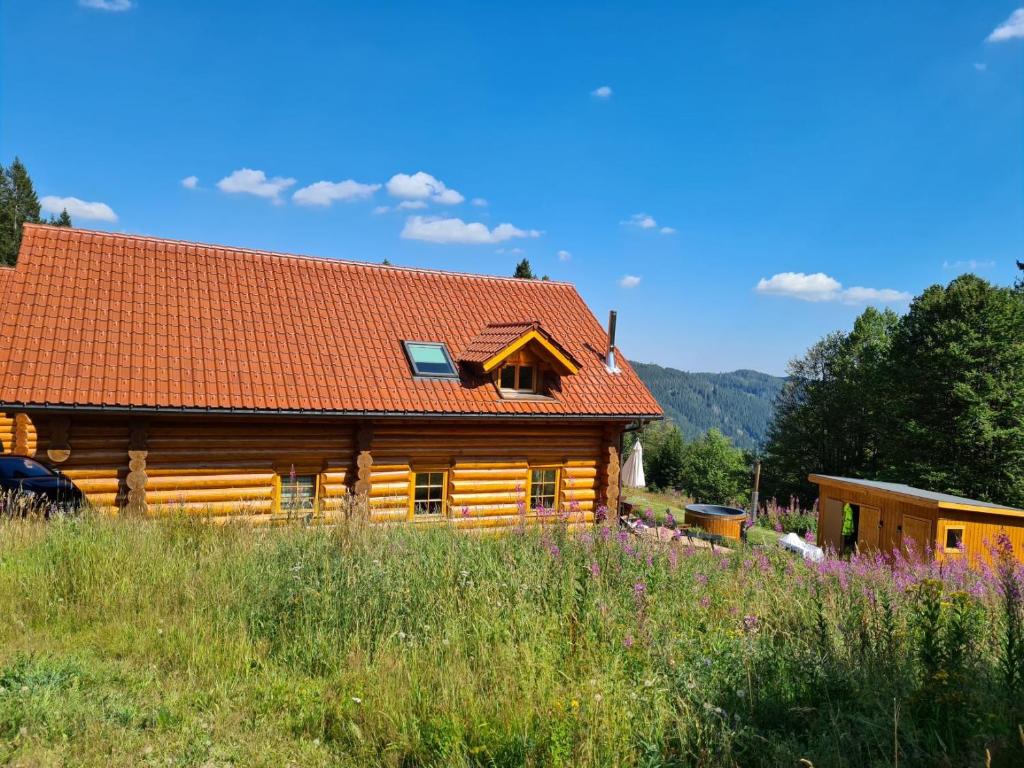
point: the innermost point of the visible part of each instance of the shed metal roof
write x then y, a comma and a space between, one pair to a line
929, 498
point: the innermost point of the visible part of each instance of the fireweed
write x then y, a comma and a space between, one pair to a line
142, 642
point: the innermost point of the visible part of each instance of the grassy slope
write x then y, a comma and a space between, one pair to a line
739, 404
175, 643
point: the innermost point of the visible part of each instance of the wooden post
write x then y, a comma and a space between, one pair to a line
609, 467
138, 449
364, 462
19, 445
757, 487
59, 449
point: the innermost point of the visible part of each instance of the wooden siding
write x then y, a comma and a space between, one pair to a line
902, 519
224, 469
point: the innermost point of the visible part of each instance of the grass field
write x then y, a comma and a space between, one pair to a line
178, 643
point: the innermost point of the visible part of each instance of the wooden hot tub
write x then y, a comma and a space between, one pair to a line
721, 521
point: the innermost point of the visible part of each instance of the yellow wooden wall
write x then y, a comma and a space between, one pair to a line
978, 526
488, 466
7, 434
224, 468
980, 532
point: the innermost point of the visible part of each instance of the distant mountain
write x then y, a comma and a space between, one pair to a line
739, 404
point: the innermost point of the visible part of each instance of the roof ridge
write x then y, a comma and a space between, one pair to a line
299, 256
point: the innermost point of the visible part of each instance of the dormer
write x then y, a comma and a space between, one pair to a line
521, 359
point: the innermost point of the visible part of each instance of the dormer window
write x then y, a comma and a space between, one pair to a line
521, 358
430, 359
519, 376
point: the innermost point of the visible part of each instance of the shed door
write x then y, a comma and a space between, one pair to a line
831, 533
916, 535
868, 523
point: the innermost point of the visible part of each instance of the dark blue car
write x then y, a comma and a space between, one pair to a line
46, 487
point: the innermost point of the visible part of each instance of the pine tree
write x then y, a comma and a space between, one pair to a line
19, 204
524, 271
64, 220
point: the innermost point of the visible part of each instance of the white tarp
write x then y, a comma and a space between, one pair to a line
633, 470
794, 543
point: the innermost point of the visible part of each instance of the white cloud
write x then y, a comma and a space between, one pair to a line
437, 230
604, 92
511, 251
479, 202
667, 230
629, 281
422, 186
412, 205
249, 182
190, 182
78, 209
980, 66
327, 192
564, 256
107, 5
381, 209
859, 295
820, 287
971, 265
1010, 29
641, 220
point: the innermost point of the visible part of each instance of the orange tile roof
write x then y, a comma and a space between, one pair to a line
497, 336
95, 319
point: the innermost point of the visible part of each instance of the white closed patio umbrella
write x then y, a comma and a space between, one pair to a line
633, 469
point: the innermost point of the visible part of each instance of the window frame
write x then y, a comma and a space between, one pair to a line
281, 478
557, 469
407, 345
517, 361
428, 470
946, 549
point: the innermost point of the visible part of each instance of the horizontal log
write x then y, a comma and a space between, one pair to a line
472, 499
486, 486
198, 467
91, 486
389, 489
383, 515
191, 495
190, 482
203, 508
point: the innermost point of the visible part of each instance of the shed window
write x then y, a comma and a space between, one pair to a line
430, 358
543, 488
428, 494
954, 538
298, 493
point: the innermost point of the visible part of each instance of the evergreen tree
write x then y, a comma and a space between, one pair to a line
714, 471
19, 204
1019, 285
524, 271
956, 403
64, 220
665, 463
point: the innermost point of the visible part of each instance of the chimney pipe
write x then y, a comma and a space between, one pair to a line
610, 356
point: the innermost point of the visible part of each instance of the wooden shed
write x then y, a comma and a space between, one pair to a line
167, 376
871, 515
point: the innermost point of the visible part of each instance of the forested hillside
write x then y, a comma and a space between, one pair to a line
739, 404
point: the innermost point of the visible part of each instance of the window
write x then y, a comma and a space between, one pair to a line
954, 538
518, 378
428, 494
298, 493
543, 488
430, 359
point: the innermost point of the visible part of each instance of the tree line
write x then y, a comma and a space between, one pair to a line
18, 205
933, 398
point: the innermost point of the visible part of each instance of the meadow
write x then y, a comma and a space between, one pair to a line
174, 642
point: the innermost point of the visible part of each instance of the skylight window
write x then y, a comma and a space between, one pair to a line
429, 358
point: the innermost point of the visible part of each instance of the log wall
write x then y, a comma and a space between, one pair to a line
224, 468
7, 434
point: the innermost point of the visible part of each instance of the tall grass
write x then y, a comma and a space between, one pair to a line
180, 643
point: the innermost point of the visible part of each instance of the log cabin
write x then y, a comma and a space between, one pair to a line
869, 515
169, 377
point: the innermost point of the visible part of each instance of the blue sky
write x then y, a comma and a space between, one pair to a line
736, 178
